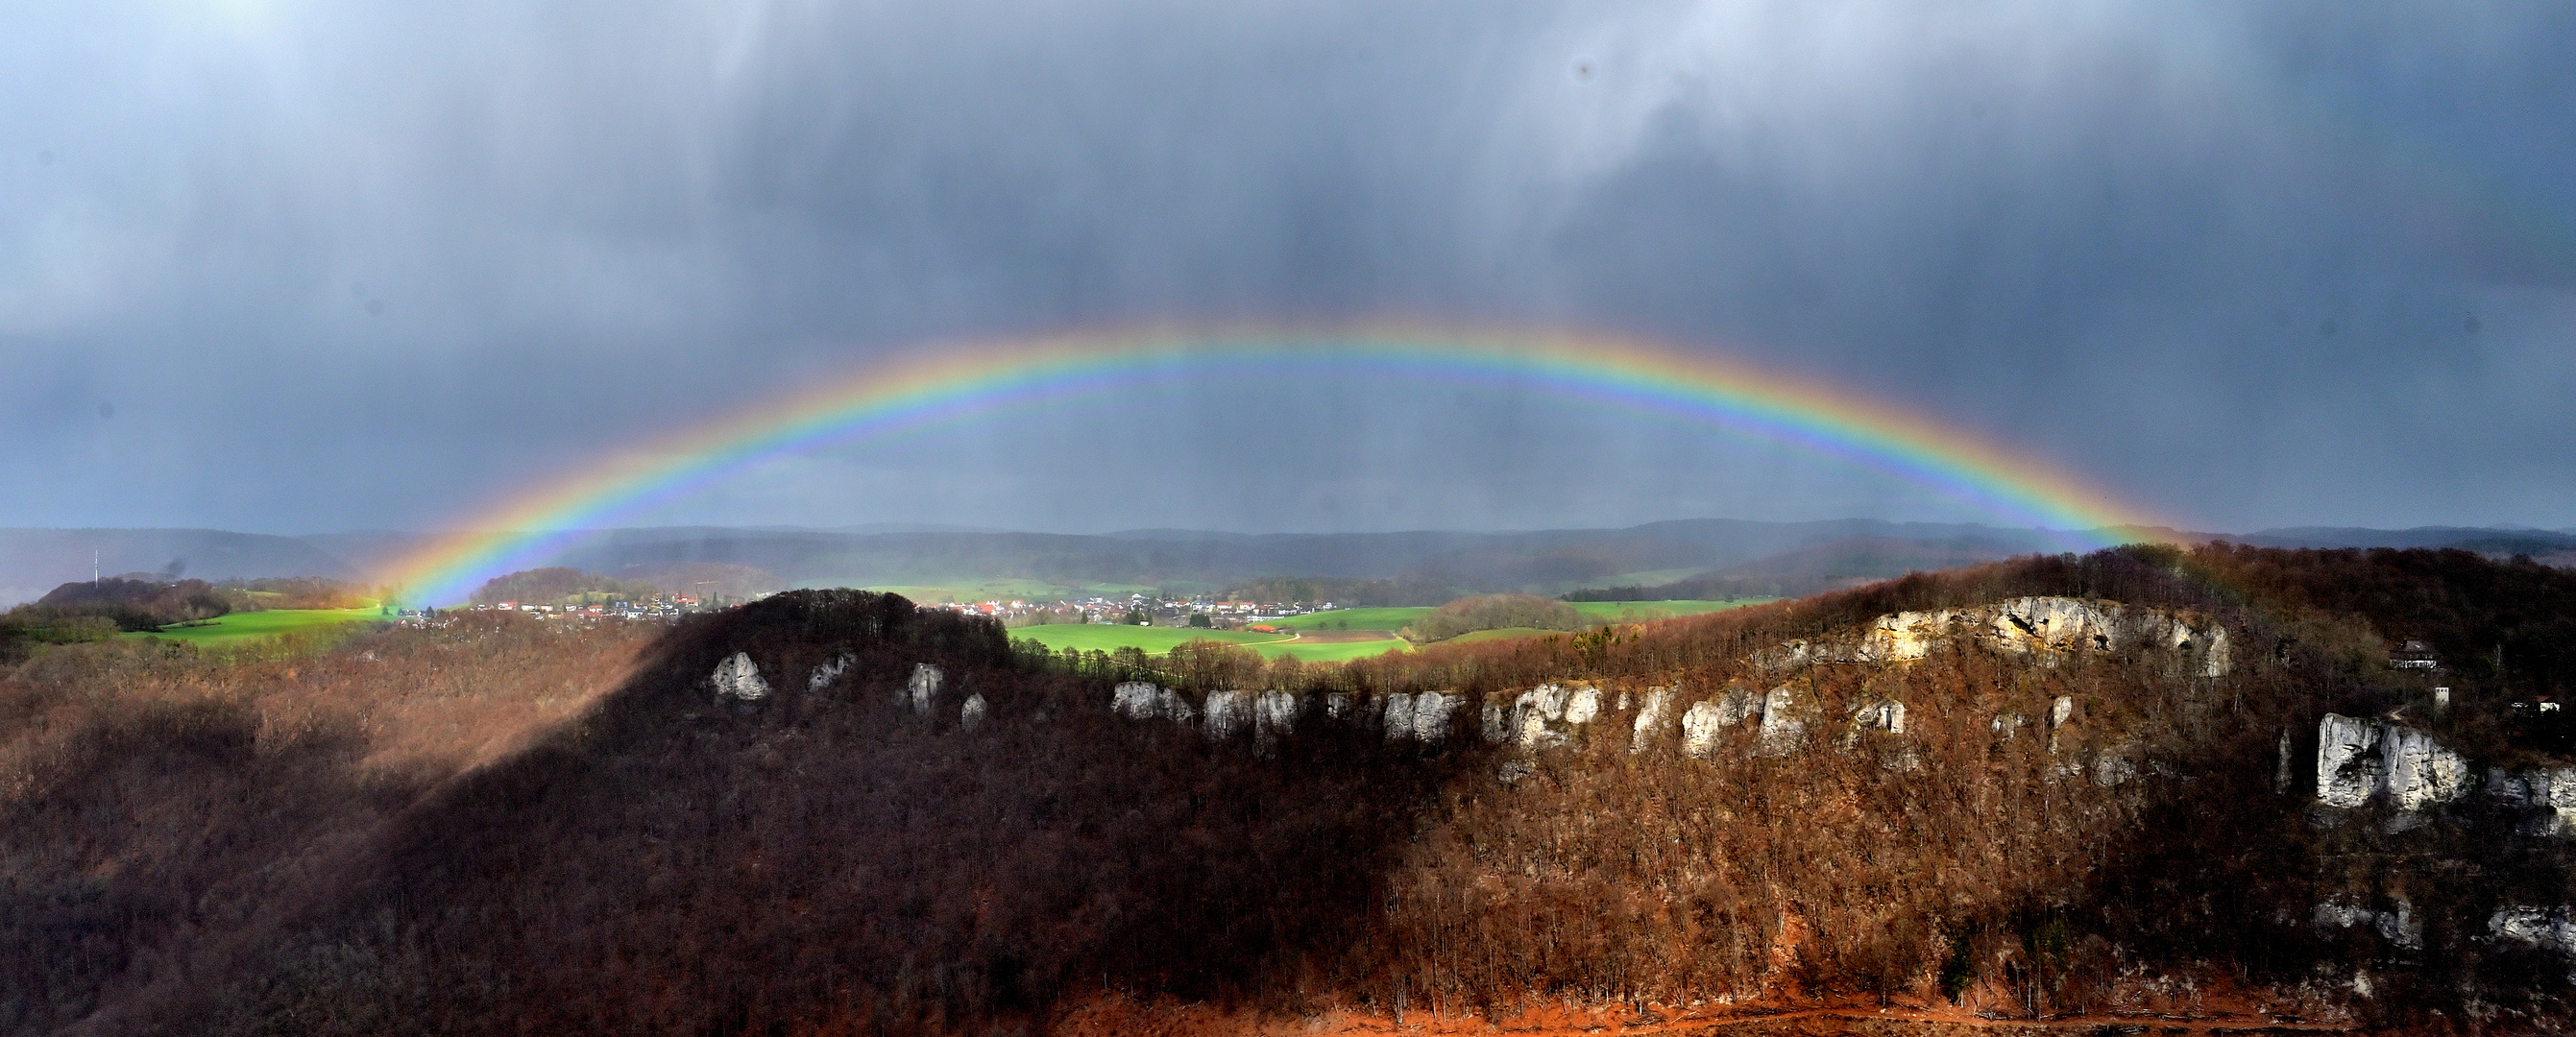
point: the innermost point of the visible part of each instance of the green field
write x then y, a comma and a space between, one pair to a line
1641, 611
1158, 640
243, 626
1352, 619
1109, 637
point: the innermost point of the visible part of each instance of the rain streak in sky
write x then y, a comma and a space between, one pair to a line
289, 266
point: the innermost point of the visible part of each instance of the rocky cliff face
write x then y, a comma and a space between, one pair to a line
2042, 627
2360, 761
737, 682
1824, 756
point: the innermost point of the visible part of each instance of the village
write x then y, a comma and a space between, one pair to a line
1141, 610
659, 606
1134, 610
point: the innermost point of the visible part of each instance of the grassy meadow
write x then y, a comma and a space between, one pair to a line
243, 626
1334, 651
1388, 619
1323, 648
1109, 637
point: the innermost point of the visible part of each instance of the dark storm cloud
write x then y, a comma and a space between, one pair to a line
368, 265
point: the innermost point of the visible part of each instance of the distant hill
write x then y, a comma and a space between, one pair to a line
2500, 540
1793, 557
1548, 560
698, 579
1811, 570
34, 561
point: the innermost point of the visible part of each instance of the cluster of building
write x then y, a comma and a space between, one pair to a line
660, 606
1138, 609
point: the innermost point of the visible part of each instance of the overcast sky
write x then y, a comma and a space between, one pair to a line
293, 266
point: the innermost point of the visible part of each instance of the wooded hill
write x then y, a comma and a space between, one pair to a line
508, 826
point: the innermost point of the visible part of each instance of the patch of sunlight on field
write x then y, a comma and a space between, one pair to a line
1352, 619
1333, 651
244, 626
1109, 637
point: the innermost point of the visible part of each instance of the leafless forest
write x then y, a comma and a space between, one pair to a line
509, 826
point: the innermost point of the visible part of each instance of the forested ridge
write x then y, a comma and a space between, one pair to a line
504, 825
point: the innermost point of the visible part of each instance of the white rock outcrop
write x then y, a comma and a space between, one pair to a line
1176, 708
923, 689
2548, 928
1888, 716
1701, 725
1536, 711
2421, 773
2348, 767
1782, 732
738, 681
970, 715
1397, 719
1229, 713
1652, 714
1279, 712
1432, 711
1738, 704
2359, 759
2551, 790
2033, 625
1338, 707
1496, 723
2110, 771
1582, 704
2399, 925
1137, 700
1546, 713
824, 675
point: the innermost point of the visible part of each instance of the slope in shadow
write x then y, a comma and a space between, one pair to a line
839, 860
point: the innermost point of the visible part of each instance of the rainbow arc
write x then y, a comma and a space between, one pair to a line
971, 381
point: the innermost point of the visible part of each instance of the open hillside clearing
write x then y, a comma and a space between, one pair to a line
235, 627
1330, 646
1110, 637
1385, 618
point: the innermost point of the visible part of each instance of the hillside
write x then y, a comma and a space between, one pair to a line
1717, 558
2054, 793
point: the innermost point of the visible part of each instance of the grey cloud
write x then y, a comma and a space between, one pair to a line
341, 266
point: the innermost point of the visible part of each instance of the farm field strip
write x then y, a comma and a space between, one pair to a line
243, 626
1108, 637
1334, 646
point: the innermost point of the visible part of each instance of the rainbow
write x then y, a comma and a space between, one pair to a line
963, 381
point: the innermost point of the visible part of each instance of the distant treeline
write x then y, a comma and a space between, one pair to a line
556, 584
93, 610
1700, 588
1817, 568
1494, 612
1412, 590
